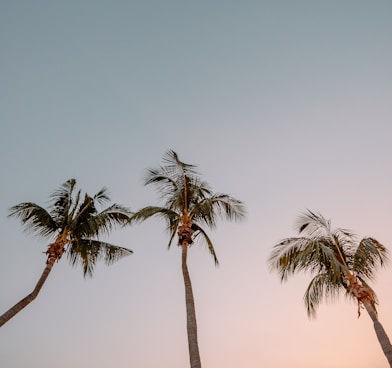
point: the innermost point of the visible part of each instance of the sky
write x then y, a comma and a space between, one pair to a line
285, 105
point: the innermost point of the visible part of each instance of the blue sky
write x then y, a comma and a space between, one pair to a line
284, 105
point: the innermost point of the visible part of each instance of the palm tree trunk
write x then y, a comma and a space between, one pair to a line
190, 312
380, 332
29, 298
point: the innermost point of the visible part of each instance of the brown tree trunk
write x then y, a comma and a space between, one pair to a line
194, 355
382, 336
29, 298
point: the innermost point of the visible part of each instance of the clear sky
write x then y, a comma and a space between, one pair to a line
285, 105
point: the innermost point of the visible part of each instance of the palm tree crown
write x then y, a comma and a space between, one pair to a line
188, 202
338, 262
75, 223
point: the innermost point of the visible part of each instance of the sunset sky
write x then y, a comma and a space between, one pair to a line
285, 105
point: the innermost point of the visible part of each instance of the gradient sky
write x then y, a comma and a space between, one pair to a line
285, 105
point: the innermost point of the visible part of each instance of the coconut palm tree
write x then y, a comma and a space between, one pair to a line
339, 264
75, 224
188, 205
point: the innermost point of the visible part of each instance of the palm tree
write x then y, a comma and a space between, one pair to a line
188, 204
339, 264
75, 225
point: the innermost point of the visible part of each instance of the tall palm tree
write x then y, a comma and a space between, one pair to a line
188, 204
339, 264
75, 224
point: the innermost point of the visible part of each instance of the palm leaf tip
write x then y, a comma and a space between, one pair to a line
102, 196
171, 157
303, 227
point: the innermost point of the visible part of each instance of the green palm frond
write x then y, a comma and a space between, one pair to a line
93, 224
286, 256
208, 209
115, 215
176, 167
161, 175
165, 185
172, 231
321, 287
150, 211
71, 212
87, 252
230, 207
312, 224
102, 196
369, 255
61, 202
200, 232
35, 218
171, 218
172, 177
303, 254
81, 215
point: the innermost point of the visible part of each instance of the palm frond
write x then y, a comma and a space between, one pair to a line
177, 167
171, 218
164, 183
87, 252
115, 215
171, 179
102, 196
208, 209
199, 231
286, 256
61, 201
161, 175
369, 255
81, 215
312, 224
70, 214
36, 219
173, 231
150, 211
303, 254
320, 287
93, 224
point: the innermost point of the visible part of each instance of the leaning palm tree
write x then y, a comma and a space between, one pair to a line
339, 264
74, 223
188, 204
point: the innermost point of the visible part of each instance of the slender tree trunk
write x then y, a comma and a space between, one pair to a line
194, 355
29, 298
380, 332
